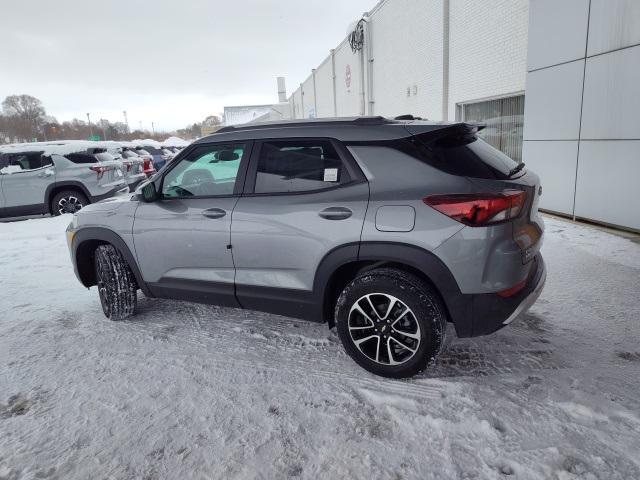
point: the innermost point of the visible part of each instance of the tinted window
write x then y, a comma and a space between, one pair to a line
81, 158
465, 155
298, 166
27, 161
207, 171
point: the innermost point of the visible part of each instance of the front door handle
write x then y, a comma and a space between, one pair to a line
214, 213
335, 213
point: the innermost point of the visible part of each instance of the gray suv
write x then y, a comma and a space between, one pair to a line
39, 178
386, 229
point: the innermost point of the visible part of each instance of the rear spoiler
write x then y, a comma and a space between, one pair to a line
444, 129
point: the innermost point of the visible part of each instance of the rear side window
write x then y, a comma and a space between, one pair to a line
81, 158
298, 166
464, 155
26, 161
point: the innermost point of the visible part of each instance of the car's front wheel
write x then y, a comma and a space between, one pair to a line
392, 323
117, 285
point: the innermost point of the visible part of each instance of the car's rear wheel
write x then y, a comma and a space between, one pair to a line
116, 283
68, 201
392, 323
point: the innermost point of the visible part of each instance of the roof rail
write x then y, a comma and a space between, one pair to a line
311, 122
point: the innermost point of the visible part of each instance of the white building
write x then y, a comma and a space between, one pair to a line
239, 114
582, 133
467, 60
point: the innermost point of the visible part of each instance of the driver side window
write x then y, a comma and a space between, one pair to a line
210, 170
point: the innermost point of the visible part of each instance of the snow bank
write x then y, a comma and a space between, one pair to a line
195, 391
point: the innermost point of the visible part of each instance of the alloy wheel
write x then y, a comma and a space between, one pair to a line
69, 204
384, 329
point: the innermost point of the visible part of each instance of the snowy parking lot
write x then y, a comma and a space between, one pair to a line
190, 391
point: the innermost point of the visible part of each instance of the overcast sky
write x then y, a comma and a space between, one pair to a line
168, 61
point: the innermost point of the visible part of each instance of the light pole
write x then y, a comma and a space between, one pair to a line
126, 121
153, 129
90, 127
103, 122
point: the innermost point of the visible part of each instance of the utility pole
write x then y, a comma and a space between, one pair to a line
126, 121
90, 127
153, 129
104, 131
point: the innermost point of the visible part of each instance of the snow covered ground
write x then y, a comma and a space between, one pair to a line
190, 391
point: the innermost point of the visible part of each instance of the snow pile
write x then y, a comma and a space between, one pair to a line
175, 142
194, 391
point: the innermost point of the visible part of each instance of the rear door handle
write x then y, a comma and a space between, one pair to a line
335, 213
214, 213
47, 173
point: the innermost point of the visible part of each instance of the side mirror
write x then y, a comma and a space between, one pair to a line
149, 193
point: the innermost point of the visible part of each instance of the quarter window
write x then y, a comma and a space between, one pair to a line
206, 171
298, 166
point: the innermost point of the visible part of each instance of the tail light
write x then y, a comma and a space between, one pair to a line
148, 167
100, 169
128, 165
479, 209
510, 292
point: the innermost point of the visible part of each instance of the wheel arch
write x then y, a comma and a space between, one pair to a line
342, 264
85, 243
57, 187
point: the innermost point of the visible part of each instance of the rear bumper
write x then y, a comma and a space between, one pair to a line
491, 312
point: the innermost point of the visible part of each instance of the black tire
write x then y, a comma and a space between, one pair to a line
424, 318
68, 201
117, 285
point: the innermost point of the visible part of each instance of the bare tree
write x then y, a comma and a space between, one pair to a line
26, 111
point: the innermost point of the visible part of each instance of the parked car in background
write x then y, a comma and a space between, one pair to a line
386, 229
56, 178
155, 153
147, 160
132, 165
168, 154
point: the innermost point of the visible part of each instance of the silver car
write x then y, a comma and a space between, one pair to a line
39, 178
386, 229
133, 166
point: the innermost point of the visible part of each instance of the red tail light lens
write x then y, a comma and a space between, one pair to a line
148, 167
479, 209
510, 292
100, 169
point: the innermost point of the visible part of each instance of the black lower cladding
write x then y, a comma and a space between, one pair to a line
39, 209
490, 310
214, 293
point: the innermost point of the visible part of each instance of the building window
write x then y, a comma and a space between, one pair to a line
503, 118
